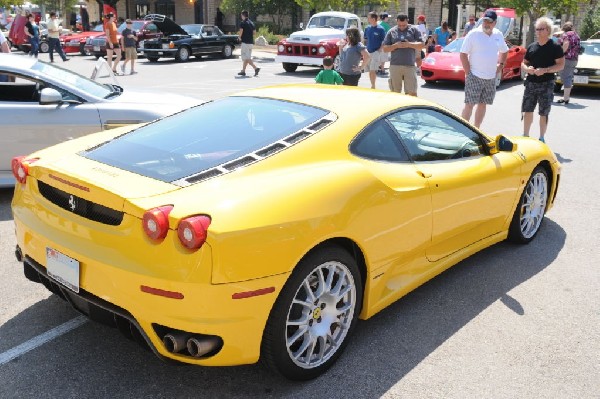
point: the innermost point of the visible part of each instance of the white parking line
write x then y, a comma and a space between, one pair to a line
41, 339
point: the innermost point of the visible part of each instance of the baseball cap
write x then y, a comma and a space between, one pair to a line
490, 15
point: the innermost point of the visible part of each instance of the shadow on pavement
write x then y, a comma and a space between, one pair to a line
384, 349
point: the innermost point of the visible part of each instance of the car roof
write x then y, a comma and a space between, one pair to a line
15, 61
336, 99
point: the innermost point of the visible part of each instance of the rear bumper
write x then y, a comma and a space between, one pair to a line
428, 73
112, 275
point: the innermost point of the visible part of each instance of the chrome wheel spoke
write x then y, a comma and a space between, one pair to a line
320, 314
534, 205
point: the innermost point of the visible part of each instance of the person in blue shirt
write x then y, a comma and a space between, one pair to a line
374, 35
441, 35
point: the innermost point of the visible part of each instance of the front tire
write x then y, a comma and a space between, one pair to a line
227, 51
529, 215
314, 315
183, 54
289, 67
44, 47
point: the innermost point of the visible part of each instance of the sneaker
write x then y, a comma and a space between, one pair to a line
256, 71
66, 59
542, 140
242, 73
123, 69
133, 72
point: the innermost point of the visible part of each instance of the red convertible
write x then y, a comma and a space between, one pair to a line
75, 42
446, 65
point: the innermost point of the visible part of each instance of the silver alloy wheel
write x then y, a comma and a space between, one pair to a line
534, 205
184, 54
320, 314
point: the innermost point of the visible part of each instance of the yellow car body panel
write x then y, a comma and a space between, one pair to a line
408, 221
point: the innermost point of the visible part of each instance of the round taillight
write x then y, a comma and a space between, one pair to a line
192, 231
281, 48
322, 50
156, 222
20, 168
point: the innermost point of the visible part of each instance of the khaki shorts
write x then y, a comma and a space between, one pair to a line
385, 57
400, 74
374, 61
246, 51
130, 53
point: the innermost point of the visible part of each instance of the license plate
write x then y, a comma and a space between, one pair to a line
96, 48
580, 79
63, 269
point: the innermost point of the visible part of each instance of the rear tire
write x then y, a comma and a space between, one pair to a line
289, 67
529, 215
314, 315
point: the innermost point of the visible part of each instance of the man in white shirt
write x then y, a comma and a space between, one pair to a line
480, 61
53, 38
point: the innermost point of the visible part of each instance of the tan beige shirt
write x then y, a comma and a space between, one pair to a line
53, 28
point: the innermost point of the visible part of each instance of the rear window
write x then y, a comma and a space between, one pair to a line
204, 137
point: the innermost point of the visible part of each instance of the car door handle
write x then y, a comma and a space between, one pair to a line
424, 174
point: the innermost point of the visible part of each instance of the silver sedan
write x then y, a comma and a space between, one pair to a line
42, 104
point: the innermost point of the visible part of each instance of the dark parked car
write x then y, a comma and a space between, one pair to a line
145, 30
182, 42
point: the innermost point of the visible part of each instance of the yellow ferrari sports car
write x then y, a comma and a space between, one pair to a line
263, 225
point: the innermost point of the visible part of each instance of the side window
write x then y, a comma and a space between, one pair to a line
353, 23
430, 135
379, 142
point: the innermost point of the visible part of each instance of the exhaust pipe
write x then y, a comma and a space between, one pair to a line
19, 254
175, 342
200, 346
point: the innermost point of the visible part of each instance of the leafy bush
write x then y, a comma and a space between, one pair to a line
591, 23
264, 31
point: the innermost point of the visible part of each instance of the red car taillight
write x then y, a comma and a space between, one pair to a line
156, 222
20, 168
192, 231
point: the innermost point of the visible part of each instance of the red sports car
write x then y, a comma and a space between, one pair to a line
75, 42
446, 65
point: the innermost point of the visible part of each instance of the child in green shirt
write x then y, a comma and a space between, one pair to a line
328, 76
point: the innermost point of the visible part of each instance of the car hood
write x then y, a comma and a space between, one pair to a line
143, 97
588, 61
314, 36
446, 59
167, 26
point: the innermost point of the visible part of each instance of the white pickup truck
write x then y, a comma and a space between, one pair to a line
318, 40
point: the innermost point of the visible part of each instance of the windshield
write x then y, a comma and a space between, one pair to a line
98, 28
73, 79
454, 46
204, 137
327, 22
137, 25
591, 48
192, 29
503, 24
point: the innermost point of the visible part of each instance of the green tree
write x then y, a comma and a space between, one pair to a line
591, 23
538, 8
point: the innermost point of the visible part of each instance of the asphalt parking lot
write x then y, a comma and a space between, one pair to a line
509, 322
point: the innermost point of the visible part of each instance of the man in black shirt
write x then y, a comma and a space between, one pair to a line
543, 59
246, 34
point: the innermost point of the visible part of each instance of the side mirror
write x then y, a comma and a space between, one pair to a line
501, 143
50, 96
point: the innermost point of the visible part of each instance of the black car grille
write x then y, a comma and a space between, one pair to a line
586, 72
79, 206
153, 45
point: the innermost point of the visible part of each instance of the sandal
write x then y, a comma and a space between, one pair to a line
563, 101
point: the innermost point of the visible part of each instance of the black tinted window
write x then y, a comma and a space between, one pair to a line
204, 137
379, 142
